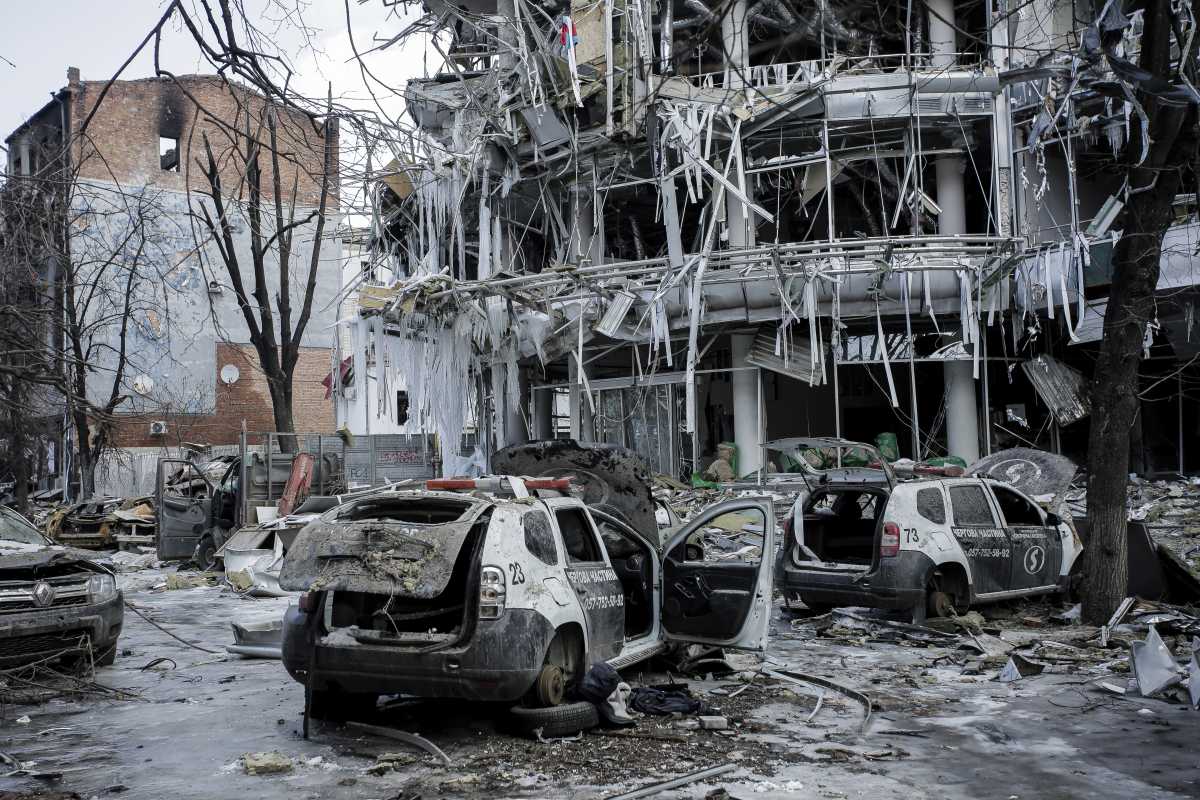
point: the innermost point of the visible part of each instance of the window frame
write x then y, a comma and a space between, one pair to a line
996, 489
177, 166
559, 553
987, 503
590, 527
941, 502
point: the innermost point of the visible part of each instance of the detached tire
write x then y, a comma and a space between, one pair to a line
565, 720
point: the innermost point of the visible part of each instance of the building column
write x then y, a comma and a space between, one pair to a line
515, 428
735, 38
943, 43
962, 416
962, 408
582, 428
499, 407
543, 414
744, 384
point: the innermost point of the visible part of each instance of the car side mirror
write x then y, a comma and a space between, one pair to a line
1053, 519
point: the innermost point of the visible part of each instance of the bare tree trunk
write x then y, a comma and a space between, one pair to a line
84, 462
281, 406
1147, 215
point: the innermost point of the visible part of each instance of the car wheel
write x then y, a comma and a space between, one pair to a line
206, 554
551, 687
564, 720
335, 706
939, 604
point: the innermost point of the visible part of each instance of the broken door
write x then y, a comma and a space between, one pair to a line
723, 596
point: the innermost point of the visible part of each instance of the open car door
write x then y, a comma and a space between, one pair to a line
723, 597
183, 497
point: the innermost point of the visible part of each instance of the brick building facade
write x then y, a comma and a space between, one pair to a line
245, 400
138, 195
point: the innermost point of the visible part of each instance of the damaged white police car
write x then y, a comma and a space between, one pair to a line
507, 589
936, 545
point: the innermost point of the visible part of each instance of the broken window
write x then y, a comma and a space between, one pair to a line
539, 539
732, 538
577, 535
971, 507
401, 407
424, 511
1016, 509
168, 153
931, 506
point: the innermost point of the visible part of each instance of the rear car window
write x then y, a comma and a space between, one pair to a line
971, 507
420, 510
539, 538
931, 506
578, 538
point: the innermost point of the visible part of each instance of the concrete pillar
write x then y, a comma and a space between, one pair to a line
962, 415
943, 43
746, 433
506, 12
735, 38
582, 428
543, 414
583, 231
950, 195
516, 430
499, 410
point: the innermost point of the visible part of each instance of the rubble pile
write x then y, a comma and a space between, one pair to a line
1170, 510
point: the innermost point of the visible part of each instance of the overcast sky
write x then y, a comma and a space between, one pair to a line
41, 38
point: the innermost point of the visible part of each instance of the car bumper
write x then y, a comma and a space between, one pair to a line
32, 635
897, 583
500, 661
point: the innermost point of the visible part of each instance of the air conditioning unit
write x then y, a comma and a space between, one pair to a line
158, 428
214, 287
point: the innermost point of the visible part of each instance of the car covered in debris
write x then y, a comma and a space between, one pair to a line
506, 589
55, 602
858, 537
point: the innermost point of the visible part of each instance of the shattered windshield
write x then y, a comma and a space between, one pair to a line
15, 529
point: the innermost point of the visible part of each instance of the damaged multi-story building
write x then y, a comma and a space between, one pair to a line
124, 160
669, 224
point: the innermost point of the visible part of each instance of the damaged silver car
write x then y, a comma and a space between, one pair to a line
55, 602
505, 589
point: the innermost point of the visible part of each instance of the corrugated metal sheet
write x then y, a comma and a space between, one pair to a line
795, 359
1063, 389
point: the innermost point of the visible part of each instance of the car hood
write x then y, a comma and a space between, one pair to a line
1034, 472
19, 555
614, 479
376, 556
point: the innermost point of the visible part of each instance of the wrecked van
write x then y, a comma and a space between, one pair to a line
932, 545
505, 590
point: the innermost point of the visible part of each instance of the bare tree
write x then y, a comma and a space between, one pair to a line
1168, 142
273, 215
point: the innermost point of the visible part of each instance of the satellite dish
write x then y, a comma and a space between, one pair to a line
230, 374
143, 384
